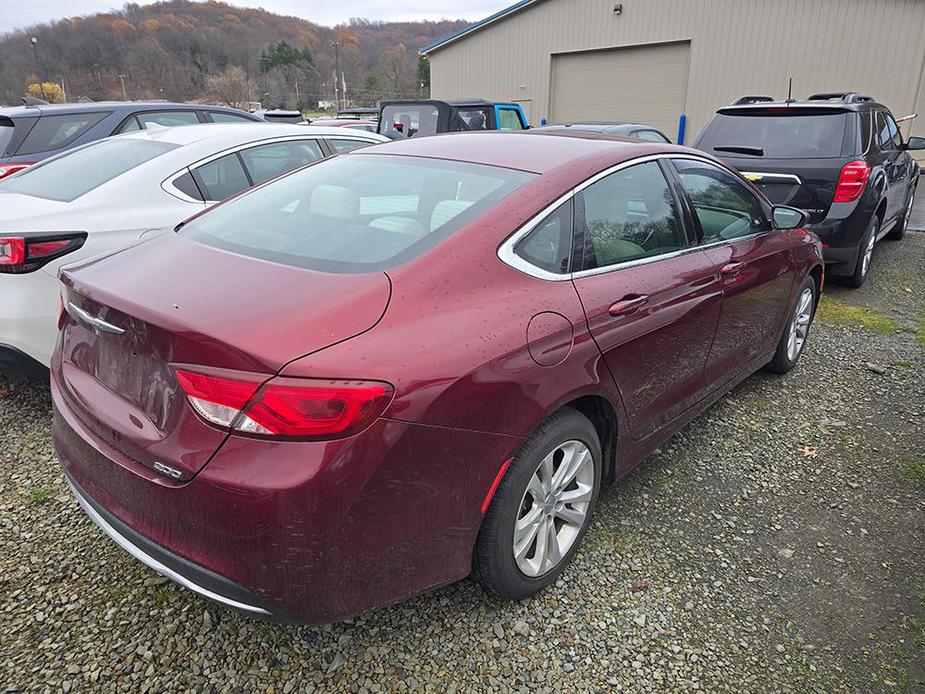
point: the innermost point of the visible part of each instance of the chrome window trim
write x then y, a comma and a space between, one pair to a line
168, 187
153, 563
760, 176
506, 249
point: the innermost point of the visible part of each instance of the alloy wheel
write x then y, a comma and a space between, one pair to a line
554, 508
799, 326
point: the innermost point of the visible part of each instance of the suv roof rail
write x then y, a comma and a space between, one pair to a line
845, 97
742, 100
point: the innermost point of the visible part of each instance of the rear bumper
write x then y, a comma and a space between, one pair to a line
842, 239
202, 581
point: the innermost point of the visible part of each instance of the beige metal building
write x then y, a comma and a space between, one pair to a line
652, 60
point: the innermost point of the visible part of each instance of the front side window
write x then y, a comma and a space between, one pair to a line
549, 245
347, 145
222, 117
77, 172
356, 213
221, 178
629, 215
724, 207
168, 119
650, 136
270, 160
509, 119
54, 132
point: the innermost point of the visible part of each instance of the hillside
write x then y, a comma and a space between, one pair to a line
185, 50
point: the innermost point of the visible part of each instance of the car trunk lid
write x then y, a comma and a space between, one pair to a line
197, 307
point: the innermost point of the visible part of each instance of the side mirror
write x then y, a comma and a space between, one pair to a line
784, 217
916, 143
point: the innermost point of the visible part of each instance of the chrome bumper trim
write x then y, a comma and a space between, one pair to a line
153, 563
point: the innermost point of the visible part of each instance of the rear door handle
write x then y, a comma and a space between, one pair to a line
628, 305
732, 269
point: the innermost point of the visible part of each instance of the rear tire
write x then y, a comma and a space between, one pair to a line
542, 508
898, 231
865, 254
796, 331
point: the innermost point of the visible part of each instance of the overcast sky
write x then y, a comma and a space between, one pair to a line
16, 14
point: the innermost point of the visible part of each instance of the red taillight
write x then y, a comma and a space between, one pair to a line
10, 169
851, 181
19, 254
295, 408
12, 251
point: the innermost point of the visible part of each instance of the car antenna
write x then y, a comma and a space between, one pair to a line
790, 91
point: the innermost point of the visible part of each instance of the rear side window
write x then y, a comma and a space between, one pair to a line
549, 245
630, 214
271, 160
356, 213
222, 178
67, 177
783, 136
888, 136
650, 136
168, 119
54, 132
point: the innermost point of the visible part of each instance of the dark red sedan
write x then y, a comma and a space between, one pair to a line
415, 361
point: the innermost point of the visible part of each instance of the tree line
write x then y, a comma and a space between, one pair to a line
211, 51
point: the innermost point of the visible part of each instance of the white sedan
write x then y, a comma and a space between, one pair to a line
107, 194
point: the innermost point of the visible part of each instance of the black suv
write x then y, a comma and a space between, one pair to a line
839, 156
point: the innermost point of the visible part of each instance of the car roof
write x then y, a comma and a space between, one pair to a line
534, 151
803, 107
94, 106
233, 133
601, 126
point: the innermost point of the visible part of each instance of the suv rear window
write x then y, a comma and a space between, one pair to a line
72, 174
55, 132
408, 120
782, 136
355, 213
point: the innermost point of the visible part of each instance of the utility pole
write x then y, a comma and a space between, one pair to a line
335, 45
38, 67
122, 81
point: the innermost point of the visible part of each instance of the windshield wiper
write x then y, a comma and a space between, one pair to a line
740, 149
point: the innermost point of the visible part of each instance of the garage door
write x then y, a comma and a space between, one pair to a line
642, 83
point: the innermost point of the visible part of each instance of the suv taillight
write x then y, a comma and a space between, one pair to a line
20, 254
851, 181
288, 408
10, 169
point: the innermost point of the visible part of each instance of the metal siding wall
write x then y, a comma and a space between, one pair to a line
737, 47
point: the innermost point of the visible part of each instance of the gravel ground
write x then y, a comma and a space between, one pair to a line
773, 545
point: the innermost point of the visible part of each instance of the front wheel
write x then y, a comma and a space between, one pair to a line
793, 340
541, 509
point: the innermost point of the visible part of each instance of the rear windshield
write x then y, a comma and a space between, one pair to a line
7, 128
776, 136
408, 120
72, 174
355, 213
54, 132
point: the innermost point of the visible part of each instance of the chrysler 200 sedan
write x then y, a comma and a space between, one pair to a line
413, 362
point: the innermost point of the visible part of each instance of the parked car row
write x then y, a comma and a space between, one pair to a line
360, 376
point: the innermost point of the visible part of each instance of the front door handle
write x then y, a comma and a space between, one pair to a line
628, 305
732, 269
